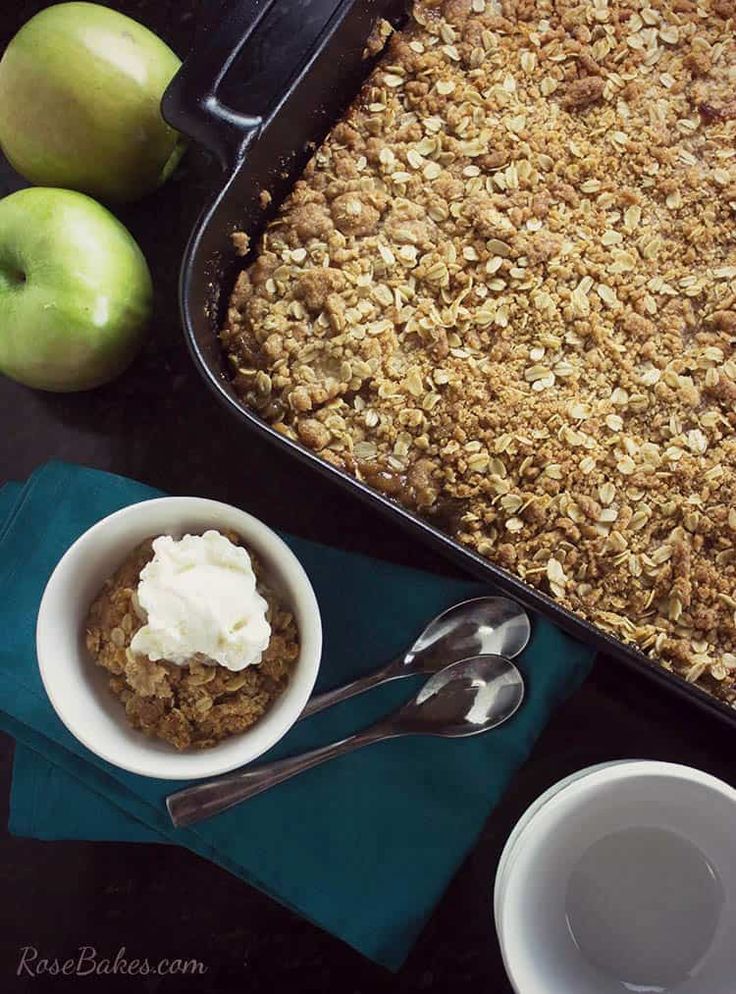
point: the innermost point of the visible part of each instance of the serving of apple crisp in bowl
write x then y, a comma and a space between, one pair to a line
503, 293
198, 647
179, 638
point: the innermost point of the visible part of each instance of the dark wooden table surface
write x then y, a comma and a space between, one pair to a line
159, 424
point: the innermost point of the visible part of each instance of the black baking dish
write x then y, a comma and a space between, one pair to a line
296, 65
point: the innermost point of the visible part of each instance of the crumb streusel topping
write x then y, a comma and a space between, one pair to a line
504, 292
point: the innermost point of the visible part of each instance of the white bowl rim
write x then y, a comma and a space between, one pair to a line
309, 605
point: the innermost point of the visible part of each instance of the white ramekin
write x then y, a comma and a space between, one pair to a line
77, 688
535, 867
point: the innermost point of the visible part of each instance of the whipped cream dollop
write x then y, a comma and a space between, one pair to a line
198, 595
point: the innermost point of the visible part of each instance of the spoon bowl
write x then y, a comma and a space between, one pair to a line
479, 627
466, 698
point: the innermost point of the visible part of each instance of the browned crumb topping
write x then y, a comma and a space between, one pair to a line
377, 39
241, 242
504, 293
196, 705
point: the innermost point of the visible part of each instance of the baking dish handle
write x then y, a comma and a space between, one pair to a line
272, 41
192, 104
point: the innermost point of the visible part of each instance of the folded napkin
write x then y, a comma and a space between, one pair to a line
363, 846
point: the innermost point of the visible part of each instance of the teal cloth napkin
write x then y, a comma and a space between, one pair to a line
363, 846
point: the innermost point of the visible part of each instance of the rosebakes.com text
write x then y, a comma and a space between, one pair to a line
87, 962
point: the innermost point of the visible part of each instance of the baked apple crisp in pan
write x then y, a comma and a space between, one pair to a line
504, 293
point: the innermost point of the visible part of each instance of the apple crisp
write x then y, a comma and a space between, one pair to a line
199, 704
503, 292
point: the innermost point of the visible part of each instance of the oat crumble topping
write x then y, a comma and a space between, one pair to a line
504, 293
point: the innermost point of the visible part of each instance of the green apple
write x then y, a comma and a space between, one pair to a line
75, 291
80, 94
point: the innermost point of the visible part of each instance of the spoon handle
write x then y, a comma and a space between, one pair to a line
197, 803
392, 671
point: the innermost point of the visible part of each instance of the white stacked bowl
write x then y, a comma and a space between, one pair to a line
546, 845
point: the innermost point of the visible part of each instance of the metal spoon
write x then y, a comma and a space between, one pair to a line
471, 696
482, 626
